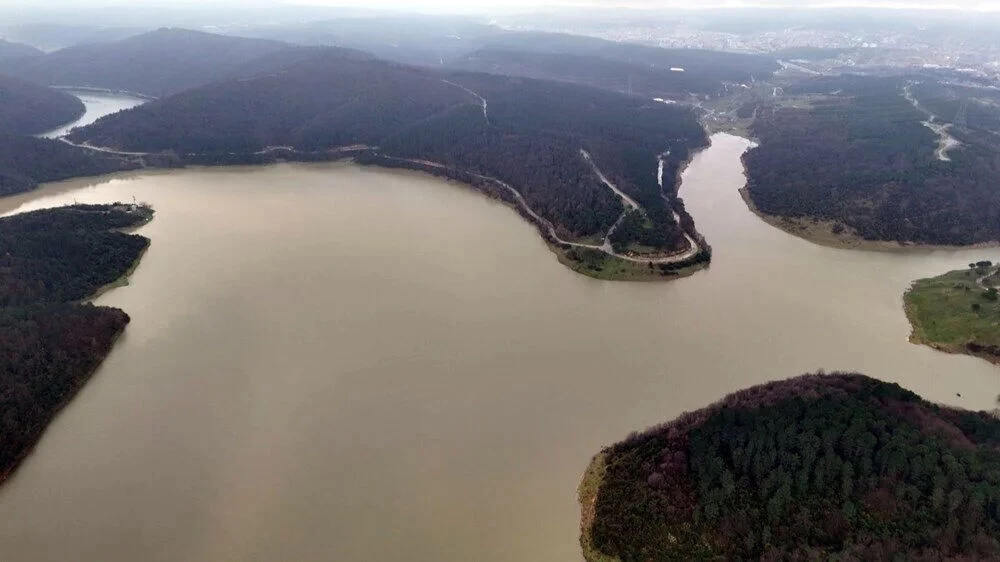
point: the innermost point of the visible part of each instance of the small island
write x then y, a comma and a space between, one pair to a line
50, 262
958, 312
814, 467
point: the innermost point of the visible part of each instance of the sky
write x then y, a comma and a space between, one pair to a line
455, 6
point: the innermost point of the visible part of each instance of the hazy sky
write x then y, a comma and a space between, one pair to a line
488, 5
466, 6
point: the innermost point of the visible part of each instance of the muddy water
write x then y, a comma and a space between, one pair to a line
328, 362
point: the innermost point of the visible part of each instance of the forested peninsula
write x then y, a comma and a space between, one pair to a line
50, 261
596, 171
816, 467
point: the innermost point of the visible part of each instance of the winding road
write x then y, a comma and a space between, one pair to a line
946, 142
100, 149
630, 204
482, 100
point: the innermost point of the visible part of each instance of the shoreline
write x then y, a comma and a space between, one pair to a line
122, 280
57, 410
587, 492
82, 381
918, 337
809, 230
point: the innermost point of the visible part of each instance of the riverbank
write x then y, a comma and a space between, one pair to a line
822, 232
587, 492
121, 281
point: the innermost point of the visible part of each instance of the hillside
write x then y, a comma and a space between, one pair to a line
52, 346
529, 134
900, 185
653, 72
28, 109
810, 468
156, 63
12, 51
26, 161
592, 71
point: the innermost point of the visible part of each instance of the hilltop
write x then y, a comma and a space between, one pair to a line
155, 63
818, 466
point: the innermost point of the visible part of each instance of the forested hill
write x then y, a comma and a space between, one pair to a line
530, 135
27, 108
11, 51
51, 345
156, 63
623, 67
817, 467
860, 157
26, 162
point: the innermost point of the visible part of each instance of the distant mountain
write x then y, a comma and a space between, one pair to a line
413, 39
28, 109
462, 43
820, 467
52, 37
704, 71
12, 51
645, 79
157, 63
529, 134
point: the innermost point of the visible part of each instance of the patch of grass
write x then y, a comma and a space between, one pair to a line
599, 265
952, 311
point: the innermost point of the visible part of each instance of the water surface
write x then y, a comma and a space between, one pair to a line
98, 104
328, 362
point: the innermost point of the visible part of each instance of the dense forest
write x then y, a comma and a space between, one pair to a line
861, 156
52, 345
29, 109
530, 134
969, 107
27, 161
811, 468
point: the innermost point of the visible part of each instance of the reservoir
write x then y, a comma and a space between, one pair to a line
98, 105
330, 362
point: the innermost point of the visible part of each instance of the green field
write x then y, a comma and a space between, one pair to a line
599, 265
954, 310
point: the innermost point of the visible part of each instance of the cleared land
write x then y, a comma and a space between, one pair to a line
958, 312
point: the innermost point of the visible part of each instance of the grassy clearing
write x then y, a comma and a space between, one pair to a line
599, 265
953, 313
